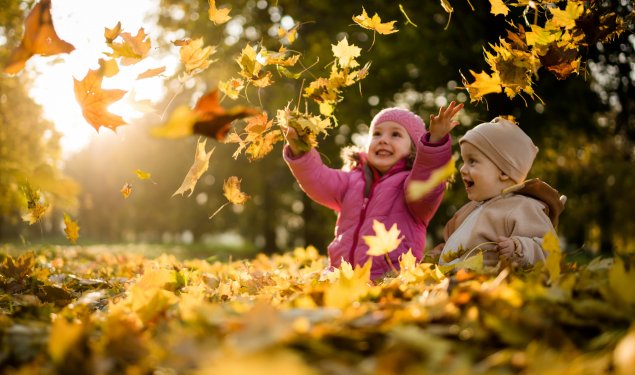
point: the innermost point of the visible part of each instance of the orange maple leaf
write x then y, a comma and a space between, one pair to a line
39, 38
215, 121
94, 101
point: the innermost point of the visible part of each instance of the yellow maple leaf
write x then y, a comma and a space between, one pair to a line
231, 191
384, 241
551, 245
483, 84
566, 18
108, 68
133, 49
418, 189
291, 34
201, 163
71, 228
346, 53
195, 57
474, 263
218, 16
498, 7
36, 205
126, 190
63, 338
374, 23
349, 287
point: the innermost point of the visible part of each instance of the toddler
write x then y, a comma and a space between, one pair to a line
507, 217
400, 150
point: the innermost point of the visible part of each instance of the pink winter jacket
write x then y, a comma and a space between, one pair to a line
344, 192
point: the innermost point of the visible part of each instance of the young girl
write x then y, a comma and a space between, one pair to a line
400, 150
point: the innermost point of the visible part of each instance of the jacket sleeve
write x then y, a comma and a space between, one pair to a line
324, 185
430, 156
528, 224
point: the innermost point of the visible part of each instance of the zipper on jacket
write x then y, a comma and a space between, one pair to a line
362, 218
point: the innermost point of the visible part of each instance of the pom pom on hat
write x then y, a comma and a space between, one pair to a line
506, 145
413, 124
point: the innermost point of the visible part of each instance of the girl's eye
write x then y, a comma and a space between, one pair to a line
396, 134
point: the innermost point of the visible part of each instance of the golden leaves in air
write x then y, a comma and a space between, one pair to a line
516, 59
40, 38
94, 101
374, 23
131, 49
37, 206
257, 138
195, 56
201, 164
71, 229
384, 241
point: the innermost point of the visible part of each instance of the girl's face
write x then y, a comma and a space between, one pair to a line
481, 177
390, 142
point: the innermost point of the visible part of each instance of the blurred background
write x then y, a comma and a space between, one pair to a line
584, 125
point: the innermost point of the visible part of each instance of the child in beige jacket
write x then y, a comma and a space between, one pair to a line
507, 217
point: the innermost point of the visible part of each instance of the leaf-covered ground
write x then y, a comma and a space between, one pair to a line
91, 310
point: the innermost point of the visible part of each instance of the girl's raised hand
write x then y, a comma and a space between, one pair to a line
293, 140
442, 124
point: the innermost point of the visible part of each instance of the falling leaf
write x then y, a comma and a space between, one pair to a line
142, 174
37, 207
551, 245
231, 191
566, 18
133, 49
232, 87
291, 34
384, 241
374, 23
483, 84
195, 57
179, 124
151, 73
40, 38
112, 34
108, 68
126, 190
94, 101
213, 120
201, 163
251, 68
218, 16
498, 7
71, 228
346, 53
418, 189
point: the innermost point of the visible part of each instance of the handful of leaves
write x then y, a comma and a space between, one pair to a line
305, 124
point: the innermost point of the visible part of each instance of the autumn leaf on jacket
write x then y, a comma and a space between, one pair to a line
94, 101
384, 241
71, 228
40, 38
201, 163
216, 15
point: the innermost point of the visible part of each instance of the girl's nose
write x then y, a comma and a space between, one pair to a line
462, 169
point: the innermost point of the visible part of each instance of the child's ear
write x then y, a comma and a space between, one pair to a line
504, 177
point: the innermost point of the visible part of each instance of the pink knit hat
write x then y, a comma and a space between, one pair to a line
506, 145
413, 124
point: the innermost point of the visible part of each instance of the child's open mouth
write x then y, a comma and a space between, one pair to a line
468, 184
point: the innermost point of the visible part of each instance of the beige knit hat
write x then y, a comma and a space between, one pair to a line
506, 145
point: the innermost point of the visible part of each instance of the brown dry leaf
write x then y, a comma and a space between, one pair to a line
94, 101
201, 164
231, 191
40, 38
71, 228
216, 15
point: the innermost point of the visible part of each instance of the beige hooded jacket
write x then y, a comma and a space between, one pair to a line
523, 212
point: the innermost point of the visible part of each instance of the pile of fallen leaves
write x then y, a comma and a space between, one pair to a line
95, 311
